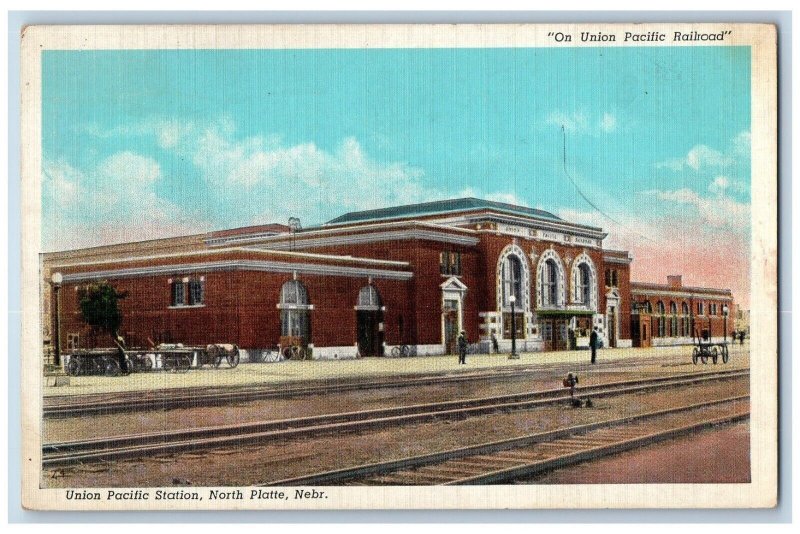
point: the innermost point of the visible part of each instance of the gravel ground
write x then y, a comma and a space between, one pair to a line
77, 428
714, 456
256, 464
299, 372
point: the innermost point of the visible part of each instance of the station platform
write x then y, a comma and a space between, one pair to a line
676, 359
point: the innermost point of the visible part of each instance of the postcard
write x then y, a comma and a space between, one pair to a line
399, 266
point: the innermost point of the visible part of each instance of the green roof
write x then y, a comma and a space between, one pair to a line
437, 207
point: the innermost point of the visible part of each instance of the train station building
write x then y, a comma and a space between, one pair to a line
369, 281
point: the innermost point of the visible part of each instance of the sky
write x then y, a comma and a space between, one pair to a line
652, 144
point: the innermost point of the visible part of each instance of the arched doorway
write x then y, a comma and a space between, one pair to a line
295, 312
369, 322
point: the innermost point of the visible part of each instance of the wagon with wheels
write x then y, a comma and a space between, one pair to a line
215, 354
706, 350
295, 348
95, 362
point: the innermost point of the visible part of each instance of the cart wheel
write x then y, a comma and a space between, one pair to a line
396, 351
184, 363
287, 353
297, 352
714, 355
725, 354
233, 358
111, 367
695, 355
74, 366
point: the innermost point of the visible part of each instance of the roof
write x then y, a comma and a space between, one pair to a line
439, 207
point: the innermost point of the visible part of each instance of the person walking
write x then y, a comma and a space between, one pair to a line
462, 347
495, 345
594, 339
741, 337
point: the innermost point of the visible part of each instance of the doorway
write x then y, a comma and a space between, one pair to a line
612, 327
555, 334
369, 321
370, 334
451, 326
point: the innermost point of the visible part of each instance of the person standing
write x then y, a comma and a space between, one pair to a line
741, 337
495, 345
462, 347
594, 339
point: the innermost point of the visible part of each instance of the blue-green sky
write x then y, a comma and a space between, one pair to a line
140, 144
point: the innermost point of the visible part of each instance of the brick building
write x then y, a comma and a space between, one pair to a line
368, 281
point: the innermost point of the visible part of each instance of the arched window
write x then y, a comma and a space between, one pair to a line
673, 320
294, 306
685, 320
550, 283
368, 298
584, 292
511, 280
661, 318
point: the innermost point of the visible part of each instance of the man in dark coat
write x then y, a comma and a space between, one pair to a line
462, 347
594, 340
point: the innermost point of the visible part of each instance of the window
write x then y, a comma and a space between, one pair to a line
511, 280
611, 278
450, 263
661, 319
178, 293
295, 317
196, 291
700, 308
368, 298
517, 321
673, 326
685, 320
550, 283
648, 307
712, 309
584, 284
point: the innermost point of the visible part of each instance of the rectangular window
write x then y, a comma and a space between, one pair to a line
450, 263
196, 292
700, 308
178, 293
518, 321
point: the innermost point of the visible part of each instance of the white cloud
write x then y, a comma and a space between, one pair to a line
719, 185
720, 211
701, 157
114, 201
581, 123
608, 123
232, 180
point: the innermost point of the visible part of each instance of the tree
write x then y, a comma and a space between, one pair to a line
99, 304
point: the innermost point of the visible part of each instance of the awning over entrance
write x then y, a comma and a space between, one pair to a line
563, 313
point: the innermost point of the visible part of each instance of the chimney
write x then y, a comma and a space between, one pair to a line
674, 280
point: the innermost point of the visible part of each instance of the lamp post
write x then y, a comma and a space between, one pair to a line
56, 280
513, 356
725, 314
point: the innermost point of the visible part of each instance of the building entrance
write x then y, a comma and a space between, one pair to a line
555, 333
370, 334
451, 326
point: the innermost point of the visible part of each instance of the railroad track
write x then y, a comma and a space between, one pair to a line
526, 456
132, 401
138, 445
